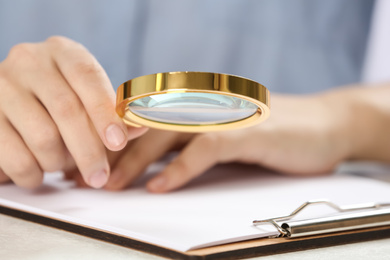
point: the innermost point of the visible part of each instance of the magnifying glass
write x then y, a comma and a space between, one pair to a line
192, 102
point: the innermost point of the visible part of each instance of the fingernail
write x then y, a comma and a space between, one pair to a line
158, 183
98, 179
115, 135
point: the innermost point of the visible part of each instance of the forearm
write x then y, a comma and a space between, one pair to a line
362, 120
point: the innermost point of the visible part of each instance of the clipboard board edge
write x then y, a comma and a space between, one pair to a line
245, 249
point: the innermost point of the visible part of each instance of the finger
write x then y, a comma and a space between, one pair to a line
35, 126
41, 77
73, 123
138, 156
200, 154
72, 173
16, 161
91, 84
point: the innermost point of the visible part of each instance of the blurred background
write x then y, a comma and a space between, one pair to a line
300, 46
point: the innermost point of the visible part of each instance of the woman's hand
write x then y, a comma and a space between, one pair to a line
302, 137
57, 111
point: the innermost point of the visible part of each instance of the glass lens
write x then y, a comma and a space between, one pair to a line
192, 108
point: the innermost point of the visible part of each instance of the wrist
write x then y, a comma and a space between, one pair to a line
361, 121
337, 118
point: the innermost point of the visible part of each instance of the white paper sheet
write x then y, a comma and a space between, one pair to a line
216, 208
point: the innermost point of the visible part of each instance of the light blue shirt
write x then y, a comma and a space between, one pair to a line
298, 46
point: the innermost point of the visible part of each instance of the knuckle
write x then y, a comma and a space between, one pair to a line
65, 46
20, 49
23, 52
62, 42
87, 68
58, 40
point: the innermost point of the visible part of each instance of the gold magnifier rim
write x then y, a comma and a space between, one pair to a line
192, 82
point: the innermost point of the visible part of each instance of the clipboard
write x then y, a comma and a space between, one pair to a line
370, 225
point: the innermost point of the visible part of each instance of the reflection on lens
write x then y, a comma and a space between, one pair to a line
192, 108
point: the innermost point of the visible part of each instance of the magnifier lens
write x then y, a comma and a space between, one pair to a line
192, 108
193, 102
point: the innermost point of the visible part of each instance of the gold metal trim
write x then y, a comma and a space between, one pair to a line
205, 82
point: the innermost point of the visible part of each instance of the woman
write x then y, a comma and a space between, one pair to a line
57, 102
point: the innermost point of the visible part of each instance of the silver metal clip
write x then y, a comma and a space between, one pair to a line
379, 215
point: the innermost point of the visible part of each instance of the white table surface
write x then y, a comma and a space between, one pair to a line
20, 239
